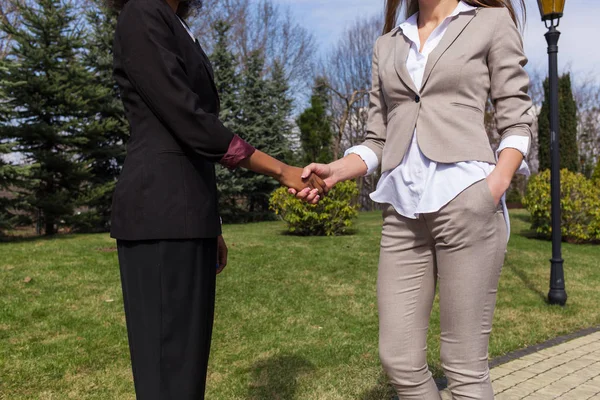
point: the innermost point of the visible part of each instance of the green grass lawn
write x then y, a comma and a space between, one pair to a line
296, 317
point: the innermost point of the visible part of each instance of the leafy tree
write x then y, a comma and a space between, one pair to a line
596, 174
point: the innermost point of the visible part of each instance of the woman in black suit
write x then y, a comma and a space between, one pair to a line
165, 216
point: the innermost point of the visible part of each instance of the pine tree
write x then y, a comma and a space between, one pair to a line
106, 126
7, 174
258, 110
280, 106
227, 79
567, 108
7, 178
46, 89
255, 128
229, 183
315, 127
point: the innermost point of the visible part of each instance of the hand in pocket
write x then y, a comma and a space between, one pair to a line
497, 187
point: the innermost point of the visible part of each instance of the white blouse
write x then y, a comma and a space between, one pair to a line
419, 185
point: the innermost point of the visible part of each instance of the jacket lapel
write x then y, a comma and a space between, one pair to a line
401, 54
211, 73
206, 63
454, 30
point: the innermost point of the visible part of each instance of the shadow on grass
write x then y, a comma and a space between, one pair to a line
527, 233
276, 378
527, 282
523, 217
530, 234
349, 232
29, 239
384, 391
381, 391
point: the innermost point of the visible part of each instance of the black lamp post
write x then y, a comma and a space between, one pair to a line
552, 11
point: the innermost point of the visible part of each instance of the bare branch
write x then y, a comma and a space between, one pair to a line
264, 26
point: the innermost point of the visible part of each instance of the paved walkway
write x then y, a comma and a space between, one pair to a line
569, 371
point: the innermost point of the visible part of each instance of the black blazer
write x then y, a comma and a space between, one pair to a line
167, 189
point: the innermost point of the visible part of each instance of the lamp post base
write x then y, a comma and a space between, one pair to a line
557, 294
557, 297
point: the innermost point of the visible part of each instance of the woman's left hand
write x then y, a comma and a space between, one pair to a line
498, 186
221, 254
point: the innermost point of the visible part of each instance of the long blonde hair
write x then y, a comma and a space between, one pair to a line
392, 7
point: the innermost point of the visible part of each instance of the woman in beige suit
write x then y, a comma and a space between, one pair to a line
445, 219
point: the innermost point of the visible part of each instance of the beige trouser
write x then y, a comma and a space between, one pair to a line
462, 247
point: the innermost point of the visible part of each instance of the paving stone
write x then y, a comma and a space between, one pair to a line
537, 396
573, 380
575, 365
572, 355
594, 383
500, 385
518, 364
560, 387
499, 372
533, 385
594, 337
550, 376
551, 351
507, 396
519, 391
569, 371
537, 357
557, 360
591, 371
595, 355
539, 367
582, 392
548, 393
514, 379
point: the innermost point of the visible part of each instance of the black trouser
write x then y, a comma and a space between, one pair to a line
169, 295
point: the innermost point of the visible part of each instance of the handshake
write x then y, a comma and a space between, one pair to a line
309, 184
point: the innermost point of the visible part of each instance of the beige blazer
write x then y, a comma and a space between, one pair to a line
481, 54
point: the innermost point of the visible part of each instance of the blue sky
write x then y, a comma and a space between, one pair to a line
579, 43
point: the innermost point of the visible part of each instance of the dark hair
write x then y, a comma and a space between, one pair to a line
412, 6
185, 9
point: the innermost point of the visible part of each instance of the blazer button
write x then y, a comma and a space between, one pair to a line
417, 98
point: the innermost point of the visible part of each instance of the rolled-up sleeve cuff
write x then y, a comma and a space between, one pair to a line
367, 155
238, 151
520, 143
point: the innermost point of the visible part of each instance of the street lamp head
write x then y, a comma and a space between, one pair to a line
551, 9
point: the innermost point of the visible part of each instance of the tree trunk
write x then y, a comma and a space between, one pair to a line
50, 228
